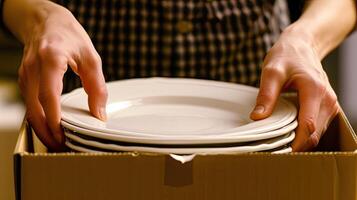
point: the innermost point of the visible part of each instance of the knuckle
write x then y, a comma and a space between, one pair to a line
317, 85
331, 98
336, 109
91, 63
274, 71
313, 141
49, 50
309, 122
95, 61
102, 91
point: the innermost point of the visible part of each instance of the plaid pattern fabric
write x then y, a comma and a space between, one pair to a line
222, 40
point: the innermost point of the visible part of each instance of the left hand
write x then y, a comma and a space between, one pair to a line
292, 63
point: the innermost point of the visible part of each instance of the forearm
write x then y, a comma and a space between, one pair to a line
21, 16
325, 23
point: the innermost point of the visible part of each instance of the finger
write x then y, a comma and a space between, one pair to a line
90, 72
328, 110
326, 115
53, 67
313, 140
272, 81
35, 115
310, 96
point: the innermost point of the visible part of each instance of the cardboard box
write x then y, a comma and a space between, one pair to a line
329, 174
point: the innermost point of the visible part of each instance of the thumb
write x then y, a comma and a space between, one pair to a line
93, 82
271, 84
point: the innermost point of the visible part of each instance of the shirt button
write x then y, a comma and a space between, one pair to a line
184, 26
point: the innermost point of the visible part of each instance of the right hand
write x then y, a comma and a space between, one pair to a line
53, 44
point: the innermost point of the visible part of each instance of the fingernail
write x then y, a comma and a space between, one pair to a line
103, 114
259, 109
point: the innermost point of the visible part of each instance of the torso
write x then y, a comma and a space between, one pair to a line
222, 40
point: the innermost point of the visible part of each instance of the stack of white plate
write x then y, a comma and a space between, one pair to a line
177, 116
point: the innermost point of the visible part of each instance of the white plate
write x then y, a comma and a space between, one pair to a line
88, 150
252, 147
219, 139
176, 107
283, 150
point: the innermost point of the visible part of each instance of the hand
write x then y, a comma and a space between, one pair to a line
55, 42
292, 63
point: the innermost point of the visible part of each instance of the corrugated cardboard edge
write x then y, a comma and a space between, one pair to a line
17, 176
20, 148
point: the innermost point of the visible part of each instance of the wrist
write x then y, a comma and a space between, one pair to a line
32, 13
300, 33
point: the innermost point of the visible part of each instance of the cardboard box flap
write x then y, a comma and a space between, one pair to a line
339, 136
348, 137
22, 141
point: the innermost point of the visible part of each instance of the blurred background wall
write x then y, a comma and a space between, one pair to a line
347, 77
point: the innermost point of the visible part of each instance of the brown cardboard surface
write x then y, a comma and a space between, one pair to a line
7, 144
314, 175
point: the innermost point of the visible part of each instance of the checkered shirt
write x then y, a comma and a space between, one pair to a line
222, 40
